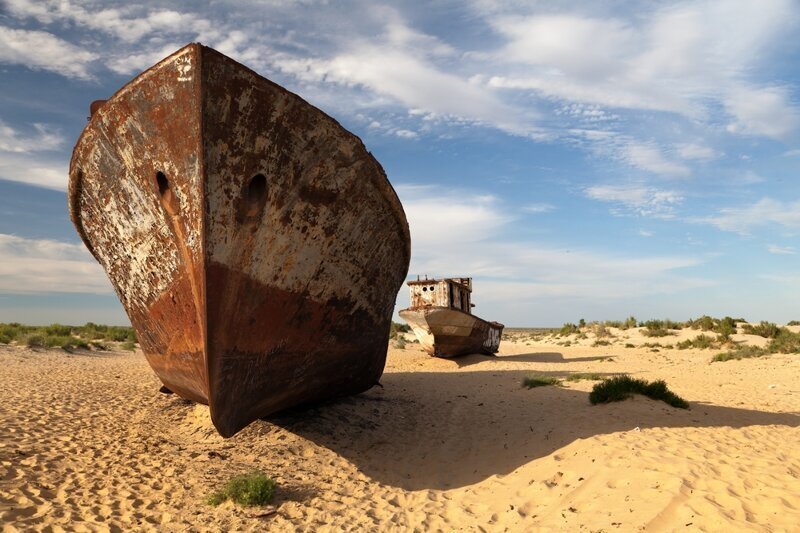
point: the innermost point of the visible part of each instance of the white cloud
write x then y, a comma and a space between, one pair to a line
454, 233
696, 152
412, 81
677, 58
46, 266
781, 250
34, 169
44, 51
44, 139
538, 208
648, 157
766, 111
637, 199
406, 134
129, 23
764, 212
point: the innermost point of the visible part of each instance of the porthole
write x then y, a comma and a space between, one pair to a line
168, 199
254, 198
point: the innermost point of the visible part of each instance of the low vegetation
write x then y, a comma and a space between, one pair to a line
539, 381
740, 352
250, 489
620, 388
784, 341
69, 338
580, 376
765, 329
397, 328
568, 329
701, 342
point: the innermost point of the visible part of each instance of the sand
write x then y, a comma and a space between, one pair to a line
87, 443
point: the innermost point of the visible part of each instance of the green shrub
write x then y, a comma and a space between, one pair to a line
128, 345
763, 329
785, 342
701, 341
568, 329
601, 343
58, 330
740, 352
539, 381
394, 331
705, 323
250, 489
619, 388
725, 328
591, 376
629, 345
793, 323
34, 341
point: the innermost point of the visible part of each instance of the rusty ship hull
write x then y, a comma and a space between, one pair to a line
446, 332
255, 244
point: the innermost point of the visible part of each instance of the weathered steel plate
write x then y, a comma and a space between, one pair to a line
255, 244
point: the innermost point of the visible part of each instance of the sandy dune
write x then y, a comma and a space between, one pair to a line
87, 443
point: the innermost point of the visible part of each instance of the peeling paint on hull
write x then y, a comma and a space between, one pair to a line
255, 244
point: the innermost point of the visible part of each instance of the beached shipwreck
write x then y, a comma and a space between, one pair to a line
440, 315
255, 244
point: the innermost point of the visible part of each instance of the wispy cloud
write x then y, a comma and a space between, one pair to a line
781, 250
35, 169
696, 152
46, 266
455, 233
44, 51
637, 199
21, 157
674, 58
649, 157
42, 138
538, 208
766, 211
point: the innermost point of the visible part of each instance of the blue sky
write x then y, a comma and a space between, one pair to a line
578, 159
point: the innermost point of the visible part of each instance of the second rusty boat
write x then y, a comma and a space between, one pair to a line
255, 244
441, 318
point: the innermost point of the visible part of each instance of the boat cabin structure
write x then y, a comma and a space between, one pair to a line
455, 293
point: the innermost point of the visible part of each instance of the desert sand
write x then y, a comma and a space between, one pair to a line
87, 443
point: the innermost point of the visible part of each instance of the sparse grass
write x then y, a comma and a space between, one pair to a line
400, 343
701, 342
658, 328
539, 381
601, 342
785, 341
130, 346
66, 337
764, 329
629, 345
740, 352
580, 376
396, 328
568, 329
619, 388
250, 489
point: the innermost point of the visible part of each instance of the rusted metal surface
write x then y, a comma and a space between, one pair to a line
441, 317
255, 244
